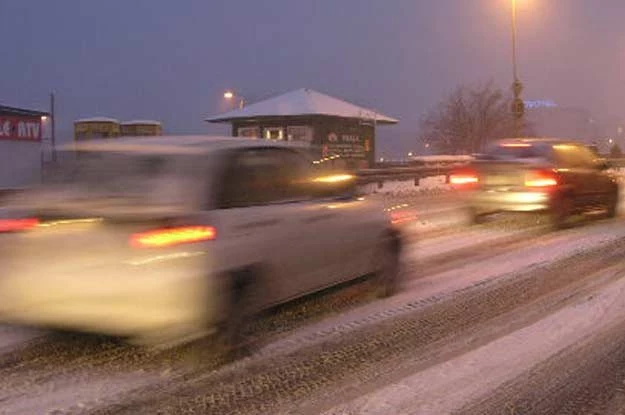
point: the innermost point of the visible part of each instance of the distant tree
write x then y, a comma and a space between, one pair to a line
615, 151
468, 119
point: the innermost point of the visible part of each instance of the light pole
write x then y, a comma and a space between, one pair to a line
518, 106
229, 95
53, 127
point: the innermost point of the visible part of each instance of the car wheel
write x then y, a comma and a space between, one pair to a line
241, 311
561, 212
388, 267
612, 205
476, 218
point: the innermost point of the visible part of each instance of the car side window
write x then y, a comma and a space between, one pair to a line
587, 157
572, 156
263, 176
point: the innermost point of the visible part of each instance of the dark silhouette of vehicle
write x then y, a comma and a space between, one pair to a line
559, 177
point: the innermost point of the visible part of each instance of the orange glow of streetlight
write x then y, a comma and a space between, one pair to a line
229, 95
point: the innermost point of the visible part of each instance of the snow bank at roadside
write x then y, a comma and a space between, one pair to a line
426, 185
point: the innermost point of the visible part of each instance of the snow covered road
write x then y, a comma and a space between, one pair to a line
480, 307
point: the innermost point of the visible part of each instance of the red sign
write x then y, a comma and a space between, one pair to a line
20, 128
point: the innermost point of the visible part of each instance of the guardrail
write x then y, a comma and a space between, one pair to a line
400, 172
405, 173
616, 162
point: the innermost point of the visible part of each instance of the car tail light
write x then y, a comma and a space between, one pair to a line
463, 178
541, 178
167, 237
516, 145
18, 225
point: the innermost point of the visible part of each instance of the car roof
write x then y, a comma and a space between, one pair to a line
538, 140
190, 144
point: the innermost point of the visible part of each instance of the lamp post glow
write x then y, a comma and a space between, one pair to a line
518, 106
515, 73
229, 95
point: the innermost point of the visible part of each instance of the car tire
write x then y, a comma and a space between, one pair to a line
561, 212
388, 266
476, 218
612, 205
242, 311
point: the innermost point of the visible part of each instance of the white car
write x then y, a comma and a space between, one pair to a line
164, 239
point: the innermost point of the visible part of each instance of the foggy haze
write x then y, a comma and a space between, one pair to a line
171, 61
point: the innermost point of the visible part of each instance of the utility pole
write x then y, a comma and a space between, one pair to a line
518, 106
52, 128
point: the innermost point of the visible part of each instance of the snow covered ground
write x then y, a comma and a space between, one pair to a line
473, 374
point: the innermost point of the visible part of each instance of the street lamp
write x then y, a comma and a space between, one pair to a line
229, 95
518, 106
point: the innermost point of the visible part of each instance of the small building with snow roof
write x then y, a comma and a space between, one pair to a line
138, 128
96, 127
335, 127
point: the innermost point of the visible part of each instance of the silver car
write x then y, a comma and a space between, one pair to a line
164, 239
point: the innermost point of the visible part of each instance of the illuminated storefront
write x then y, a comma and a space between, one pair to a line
21, 133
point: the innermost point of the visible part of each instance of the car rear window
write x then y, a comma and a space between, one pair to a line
514, 152
125, 174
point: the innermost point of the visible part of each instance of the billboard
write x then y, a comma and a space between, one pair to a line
20, 128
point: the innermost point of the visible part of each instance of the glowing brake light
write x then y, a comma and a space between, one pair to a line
540, 179
460, 179
17, 225
166, 237
516, 145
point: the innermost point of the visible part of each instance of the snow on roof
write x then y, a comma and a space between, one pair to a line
98, 119
304, 102
141, 122
6, 110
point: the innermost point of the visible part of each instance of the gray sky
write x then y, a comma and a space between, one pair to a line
172, 60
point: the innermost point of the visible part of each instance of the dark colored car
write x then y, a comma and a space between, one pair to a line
559, 177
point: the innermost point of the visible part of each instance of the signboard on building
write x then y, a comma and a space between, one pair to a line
20, 128
351, 146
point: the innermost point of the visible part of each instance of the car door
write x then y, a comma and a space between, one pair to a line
316, 228
597, 183
266, 216
354, 228
580, 173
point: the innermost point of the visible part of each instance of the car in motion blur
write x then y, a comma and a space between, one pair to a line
165, 239
562, 178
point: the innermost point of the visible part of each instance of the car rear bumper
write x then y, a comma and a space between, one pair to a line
158, 303
509, 201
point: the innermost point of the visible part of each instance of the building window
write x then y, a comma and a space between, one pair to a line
249, 132
274, 133
301, 133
